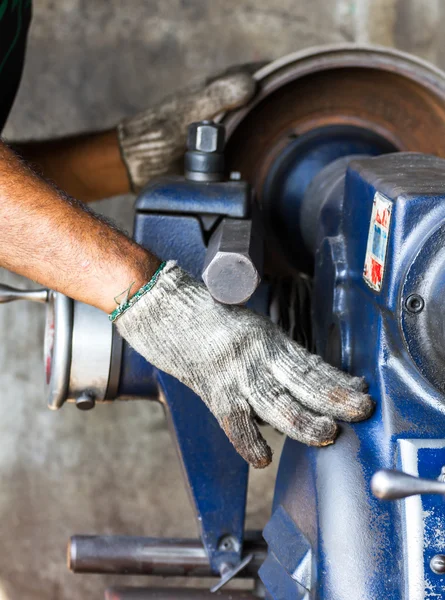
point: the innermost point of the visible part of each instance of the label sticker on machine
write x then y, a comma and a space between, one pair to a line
377, 242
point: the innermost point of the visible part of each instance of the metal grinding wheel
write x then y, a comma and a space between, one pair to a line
394, 99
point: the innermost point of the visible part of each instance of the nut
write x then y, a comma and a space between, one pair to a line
206, 136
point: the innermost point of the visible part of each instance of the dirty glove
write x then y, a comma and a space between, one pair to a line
240, 364
153, 143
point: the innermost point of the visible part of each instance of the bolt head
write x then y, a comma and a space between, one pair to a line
437, 564
414, 304
85, 401
228, 543
206, 136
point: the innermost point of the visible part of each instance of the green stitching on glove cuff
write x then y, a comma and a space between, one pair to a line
120, 310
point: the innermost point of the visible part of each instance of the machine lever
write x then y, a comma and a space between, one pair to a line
228, 572
9, 294
394, 485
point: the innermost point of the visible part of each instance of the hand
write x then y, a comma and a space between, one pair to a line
153, 142
241, 365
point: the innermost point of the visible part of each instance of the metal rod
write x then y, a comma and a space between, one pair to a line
127, 555
9, 294
394, 485
175, 594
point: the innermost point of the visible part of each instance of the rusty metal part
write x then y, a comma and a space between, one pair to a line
128, 555
175, 594
395, 95
391, 93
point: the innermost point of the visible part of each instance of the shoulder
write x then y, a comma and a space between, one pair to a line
15, 17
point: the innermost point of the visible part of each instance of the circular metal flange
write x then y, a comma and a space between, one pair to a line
393, 95
422, 311
90, 355
57, 348
82, 354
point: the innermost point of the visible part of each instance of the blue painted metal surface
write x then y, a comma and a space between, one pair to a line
137, 377
178, 238
179, 196
171, 221
329, 538
298, 164
364, 548
216, 474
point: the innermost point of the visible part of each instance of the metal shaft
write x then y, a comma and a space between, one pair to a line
129, 555
233, 261
393, 485
174, 594
9, 294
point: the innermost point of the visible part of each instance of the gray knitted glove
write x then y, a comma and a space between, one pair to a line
241, 365
153, 143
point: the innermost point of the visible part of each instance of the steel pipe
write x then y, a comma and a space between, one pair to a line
128, 555
9, 294
174, 594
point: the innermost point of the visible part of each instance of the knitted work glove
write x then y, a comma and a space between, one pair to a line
241, 365
153, 143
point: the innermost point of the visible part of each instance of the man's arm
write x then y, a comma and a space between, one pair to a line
88, 167
239, 363
100, 165
55, 240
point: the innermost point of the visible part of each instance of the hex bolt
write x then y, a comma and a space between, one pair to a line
85, 401
228, 544
204, 159
414, 304
206, 136
437, 564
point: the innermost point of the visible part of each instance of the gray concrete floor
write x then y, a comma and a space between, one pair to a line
90, 63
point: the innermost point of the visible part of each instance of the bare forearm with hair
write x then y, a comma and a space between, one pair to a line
88, 166
58, 242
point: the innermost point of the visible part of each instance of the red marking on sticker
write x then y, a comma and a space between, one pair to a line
376, 272
382, 217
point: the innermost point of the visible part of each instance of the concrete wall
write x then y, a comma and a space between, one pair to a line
91, 62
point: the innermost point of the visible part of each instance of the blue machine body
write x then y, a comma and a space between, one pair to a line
328, 537
173, 220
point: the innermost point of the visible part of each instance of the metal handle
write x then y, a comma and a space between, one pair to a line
9, 294
228, 572
393, 485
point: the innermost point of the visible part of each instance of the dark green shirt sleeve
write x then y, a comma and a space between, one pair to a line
15, 17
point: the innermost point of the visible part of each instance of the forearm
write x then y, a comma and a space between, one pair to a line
152, 143
88, 167
59, 243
